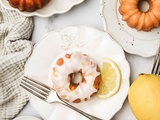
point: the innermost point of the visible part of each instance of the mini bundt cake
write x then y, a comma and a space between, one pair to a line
76, 77
135, 18
28, 5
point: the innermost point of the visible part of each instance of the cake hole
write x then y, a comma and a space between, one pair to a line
76, 78
143, 6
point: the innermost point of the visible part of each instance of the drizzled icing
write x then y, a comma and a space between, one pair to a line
76, 77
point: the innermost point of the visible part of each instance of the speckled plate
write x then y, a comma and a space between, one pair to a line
140, 43
53, 7
90, 41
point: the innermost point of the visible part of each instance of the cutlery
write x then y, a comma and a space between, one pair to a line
49, 95
156, 64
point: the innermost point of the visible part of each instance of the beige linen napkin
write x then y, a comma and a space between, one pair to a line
15, 31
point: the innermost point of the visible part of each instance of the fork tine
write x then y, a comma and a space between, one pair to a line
159, 72
156, 62
157, 68
39, 83
36, 84
32, 91
35, 88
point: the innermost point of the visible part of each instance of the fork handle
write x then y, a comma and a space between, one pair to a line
80, 111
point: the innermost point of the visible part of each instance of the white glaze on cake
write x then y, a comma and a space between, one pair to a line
75, 77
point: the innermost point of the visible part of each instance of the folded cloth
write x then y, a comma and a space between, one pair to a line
15, 48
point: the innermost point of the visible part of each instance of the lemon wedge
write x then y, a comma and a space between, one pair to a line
111, 79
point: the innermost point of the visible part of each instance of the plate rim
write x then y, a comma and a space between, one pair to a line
77, 26
35, 13
126, 48
25, 116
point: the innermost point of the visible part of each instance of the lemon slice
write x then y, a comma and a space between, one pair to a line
111, 77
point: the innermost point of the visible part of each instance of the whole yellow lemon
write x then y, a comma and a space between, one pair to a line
144, 97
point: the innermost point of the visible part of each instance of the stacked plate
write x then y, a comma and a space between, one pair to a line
140, 43
54, 7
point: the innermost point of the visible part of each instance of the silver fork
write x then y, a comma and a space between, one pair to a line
49, 95
156, 64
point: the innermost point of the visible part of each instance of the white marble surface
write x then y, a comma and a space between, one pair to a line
86, 13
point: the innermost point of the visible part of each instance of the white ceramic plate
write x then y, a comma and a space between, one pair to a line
95, 44
140, 43
26, 118
53, 7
